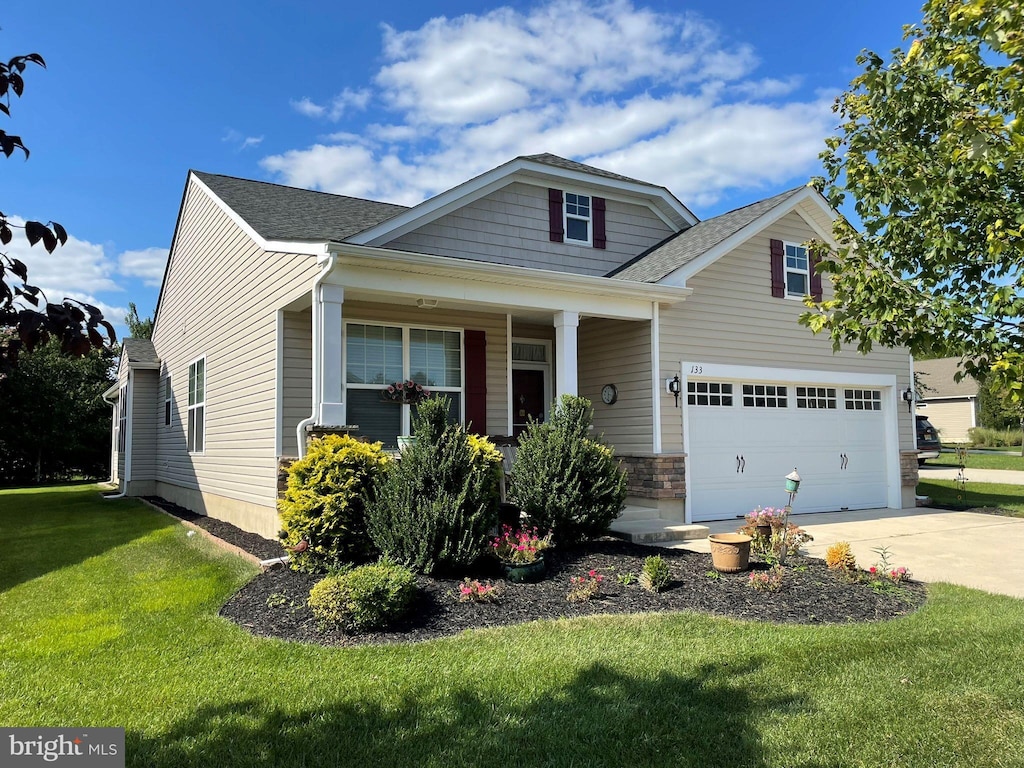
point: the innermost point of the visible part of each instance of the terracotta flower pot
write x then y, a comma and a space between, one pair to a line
730, 552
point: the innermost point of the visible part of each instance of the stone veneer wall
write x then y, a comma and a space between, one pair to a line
908, 468
655, 476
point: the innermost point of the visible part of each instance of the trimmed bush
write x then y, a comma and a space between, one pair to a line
655, 574
994, 438
363, 598
325, 503
563, 480
839, 557
435, 507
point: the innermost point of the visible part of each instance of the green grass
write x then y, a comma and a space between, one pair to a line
1010, 498
981, 461
108, 617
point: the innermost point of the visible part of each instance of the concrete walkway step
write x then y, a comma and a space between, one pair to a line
631, 513
654, 531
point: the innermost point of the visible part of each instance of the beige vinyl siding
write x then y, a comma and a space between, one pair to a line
145, 389
953, 418
296, 376
493, 325
221, 299
732, 318
510, 226
618, 352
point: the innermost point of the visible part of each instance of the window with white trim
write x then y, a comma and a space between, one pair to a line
122, 419
798, 273
812, 398
578, 217
708, 393
377, 356
197, 406
765, 396
863, 399
167, 401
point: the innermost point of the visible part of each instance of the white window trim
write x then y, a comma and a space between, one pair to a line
786, 269
406, 425
194, 406
168, 401
122, 419
566, 216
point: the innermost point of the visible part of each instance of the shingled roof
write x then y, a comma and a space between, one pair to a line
286, 213
936, 379
680, 249
140, 351
571, 165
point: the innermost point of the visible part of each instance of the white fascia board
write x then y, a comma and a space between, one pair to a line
496, 285
306, 247
143, 366
702, 370
114, 391
932, 399
681, 275
465, 193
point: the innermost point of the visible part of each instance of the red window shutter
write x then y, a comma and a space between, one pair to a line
599, 237
556, 230
815, 278
778, 270
476, 381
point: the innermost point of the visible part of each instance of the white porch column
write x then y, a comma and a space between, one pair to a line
332, 409
566, 353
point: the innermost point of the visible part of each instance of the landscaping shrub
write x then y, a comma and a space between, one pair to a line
655, 574
325, 503
435, 508
563, 480
838, 557
983, 437
363, 598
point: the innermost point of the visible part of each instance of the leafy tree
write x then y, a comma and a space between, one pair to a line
138, 328
53, 424
74, 324
931, 152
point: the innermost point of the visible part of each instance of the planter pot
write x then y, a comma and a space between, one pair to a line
730, 552
765, 531
522, 573
405, 441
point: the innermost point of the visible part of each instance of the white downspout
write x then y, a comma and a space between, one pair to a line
113, 446
127, 441
300, 430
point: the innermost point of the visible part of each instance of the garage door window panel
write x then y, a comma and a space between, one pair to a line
765, 396
709, 393
816, 398
863, 399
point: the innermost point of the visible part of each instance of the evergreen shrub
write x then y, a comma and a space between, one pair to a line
436, 506
363, 598
325, 503
565, 481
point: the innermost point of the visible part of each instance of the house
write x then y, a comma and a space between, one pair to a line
951, 406
286, 310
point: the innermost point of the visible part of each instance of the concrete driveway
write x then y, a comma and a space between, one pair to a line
957, 547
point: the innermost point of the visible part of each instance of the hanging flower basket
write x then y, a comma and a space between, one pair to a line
404, 393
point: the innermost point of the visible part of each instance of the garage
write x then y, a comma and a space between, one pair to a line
744, 435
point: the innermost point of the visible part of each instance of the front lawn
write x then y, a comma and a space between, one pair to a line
944, 493
108, 616
981, 461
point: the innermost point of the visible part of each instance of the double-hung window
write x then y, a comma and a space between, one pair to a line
197, 406
122, 419
377, 356
798, 274
577, 218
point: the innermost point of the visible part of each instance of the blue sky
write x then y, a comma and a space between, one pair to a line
722, 102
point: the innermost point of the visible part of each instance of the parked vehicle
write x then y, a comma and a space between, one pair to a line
928, 445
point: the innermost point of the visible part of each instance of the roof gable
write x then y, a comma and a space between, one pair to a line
686, 253
937, 379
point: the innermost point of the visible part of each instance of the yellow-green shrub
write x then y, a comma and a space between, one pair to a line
363, 598
838, 557
325, 503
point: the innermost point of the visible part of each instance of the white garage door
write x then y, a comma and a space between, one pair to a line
746, 436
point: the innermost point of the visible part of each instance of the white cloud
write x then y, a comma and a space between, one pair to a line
659, 96
241, 141
147, 263
336, 108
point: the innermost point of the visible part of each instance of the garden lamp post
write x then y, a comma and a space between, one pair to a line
792, 488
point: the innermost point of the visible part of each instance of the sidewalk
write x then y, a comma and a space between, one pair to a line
1004, 476
936, 545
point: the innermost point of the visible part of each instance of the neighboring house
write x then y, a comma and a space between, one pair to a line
951, 406
285, 309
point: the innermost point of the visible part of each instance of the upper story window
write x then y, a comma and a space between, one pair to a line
577, 217
167, 401
798, 275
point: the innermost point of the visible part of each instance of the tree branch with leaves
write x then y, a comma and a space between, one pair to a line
930, 152
74, 324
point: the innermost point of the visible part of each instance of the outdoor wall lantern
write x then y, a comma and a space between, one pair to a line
674, 387
908, 396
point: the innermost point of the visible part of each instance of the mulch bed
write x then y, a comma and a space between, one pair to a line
253, 543
274, 603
